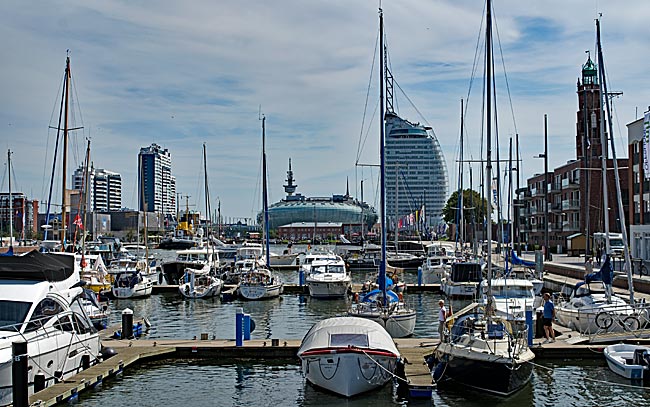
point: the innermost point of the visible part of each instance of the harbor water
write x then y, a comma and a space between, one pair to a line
237, 383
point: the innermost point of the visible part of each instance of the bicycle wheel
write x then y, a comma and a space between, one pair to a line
631, 323
643, 270
604, 320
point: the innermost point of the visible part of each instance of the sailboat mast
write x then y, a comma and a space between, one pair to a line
207, 197
621, 214
11, 203
488, 152
461, 203
65, 150
265, 202
382, 161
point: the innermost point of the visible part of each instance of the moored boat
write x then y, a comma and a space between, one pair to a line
131, 284
628, 360
200, 284
328, 278
348, 355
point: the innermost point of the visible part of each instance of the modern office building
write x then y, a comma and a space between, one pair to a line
574, 191
157, 185
416, 171
104, 188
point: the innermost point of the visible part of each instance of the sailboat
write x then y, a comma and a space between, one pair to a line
590, 311
203, 283
383, 305
260, 282
481, 351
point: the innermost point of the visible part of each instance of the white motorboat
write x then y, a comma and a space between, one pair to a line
40, 307
285, 259
348, 355
259, 283
328, 278
629, 361
310, 257
588, 312
393, 314
436, 265
463, 279
200, 284
131, 284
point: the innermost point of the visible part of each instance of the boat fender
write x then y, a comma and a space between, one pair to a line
107, 352
356, 297
438, 371
400, 296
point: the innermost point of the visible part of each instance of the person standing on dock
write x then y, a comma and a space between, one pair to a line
549, 315
589, 266
442, 316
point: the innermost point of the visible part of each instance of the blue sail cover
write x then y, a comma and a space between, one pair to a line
374, 295
518, 261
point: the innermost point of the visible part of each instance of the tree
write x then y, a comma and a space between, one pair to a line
475, 208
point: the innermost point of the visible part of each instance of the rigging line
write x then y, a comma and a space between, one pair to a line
631, 386
414, 107
365, 107
505, 73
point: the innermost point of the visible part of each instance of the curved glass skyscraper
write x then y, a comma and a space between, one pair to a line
416, 171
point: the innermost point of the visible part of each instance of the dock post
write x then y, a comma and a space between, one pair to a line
247, 327
419, 276
39, 382
127, 324
239, 327
19, 377
529, 324
85, 362
301, 277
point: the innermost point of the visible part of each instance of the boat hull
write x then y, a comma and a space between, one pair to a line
398, 325
486, 372
460, 290
259, 291
198, 291
595, 320
620, 360
349, 373
139, 290
328, 286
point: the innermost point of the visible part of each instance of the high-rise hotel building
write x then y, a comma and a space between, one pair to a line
156, 184
416, 171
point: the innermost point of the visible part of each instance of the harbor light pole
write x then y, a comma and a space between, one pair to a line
547, 251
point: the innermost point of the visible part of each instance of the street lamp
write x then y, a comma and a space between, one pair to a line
547, 251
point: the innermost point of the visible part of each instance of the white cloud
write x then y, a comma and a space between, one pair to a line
181, 74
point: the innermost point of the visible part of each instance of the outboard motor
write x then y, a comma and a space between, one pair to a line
641, 357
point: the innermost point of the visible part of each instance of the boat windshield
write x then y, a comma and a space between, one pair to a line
328, 269
512, 292
348, 340
12, 314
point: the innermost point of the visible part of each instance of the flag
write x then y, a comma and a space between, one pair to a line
77, 221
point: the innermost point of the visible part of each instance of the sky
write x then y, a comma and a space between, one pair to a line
181, 74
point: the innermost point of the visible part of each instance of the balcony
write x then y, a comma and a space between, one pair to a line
556, 207
571, 205
568, 183
570, 226
555, 227
555, 187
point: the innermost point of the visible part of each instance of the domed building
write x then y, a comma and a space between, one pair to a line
296, 208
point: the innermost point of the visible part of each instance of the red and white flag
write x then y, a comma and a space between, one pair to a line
77, 221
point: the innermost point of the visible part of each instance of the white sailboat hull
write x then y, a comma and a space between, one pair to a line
398, 324
211, 290
142, 289
260, 291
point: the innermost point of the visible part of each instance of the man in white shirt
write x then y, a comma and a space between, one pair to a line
442, 316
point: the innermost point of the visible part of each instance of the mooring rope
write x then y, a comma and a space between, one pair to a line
383, 368
631, 386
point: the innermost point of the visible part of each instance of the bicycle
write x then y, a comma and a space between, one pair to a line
639, 265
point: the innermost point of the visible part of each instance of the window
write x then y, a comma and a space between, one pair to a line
43, 312
12, 314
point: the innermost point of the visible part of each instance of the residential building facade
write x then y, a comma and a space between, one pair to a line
156, 184
104, 188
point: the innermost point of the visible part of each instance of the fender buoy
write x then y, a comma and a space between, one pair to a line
356, 297
400, 296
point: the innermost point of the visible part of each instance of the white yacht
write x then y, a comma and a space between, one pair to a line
196, 258
463, 279
40, 307
436, 265
348, 356
260, 283
200, 284
393, 314
131, 284
589, 312
328, 278
512, 297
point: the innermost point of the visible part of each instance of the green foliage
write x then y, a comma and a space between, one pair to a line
475, 207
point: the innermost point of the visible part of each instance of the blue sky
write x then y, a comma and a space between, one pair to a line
183, 73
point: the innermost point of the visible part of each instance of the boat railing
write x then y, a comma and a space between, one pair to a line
620, 318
